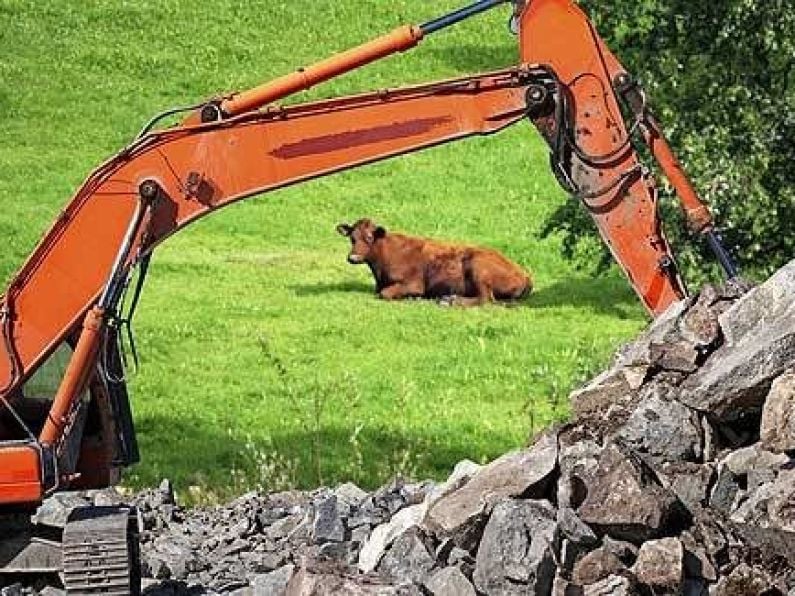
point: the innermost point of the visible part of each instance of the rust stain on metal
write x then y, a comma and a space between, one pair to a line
364, 136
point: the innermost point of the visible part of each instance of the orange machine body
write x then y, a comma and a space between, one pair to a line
241, 150
21, 477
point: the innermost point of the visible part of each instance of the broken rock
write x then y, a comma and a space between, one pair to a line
660, 564
759, 346
449, 582
663, 427
458, 515
778, 415
624, 500
385, 534
597, 565
615, 585
515, 553
409, 558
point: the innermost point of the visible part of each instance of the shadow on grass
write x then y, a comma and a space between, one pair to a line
605, 295
321, 289
191, 452
472, 58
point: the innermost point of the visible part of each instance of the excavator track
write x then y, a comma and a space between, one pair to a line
100, 552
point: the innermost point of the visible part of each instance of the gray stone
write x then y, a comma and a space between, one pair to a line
754, 509
178, 555
578, 462
574, 529
664, 428
106, 497
459, 514
267, 561
55, 510
700, 325
615, 585
460, 557
660, 564
515, 555
725, 491
757, 478
408, 559
609, 388
638, 357
273, 583
696, 562
569, 555
688, 481
331, 582
625, 502
461, 474
781, 508
283, 527
327, 525
744, 580
595, 566
385, 534
449, 582
710, 440
625, 551
563, 587
762, 306
778, 415
759, 346
350, 494
755, 457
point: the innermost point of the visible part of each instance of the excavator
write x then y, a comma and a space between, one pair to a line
65, 415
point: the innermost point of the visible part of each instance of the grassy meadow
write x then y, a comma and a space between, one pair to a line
266, 359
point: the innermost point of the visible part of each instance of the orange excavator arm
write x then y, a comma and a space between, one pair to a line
567, 83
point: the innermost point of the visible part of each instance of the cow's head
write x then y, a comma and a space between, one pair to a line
363, 234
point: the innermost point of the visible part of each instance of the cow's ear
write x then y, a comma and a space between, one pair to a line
344, 229
379, 233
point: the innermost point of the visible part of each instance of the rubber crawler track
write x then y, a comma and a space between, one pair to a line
100, 552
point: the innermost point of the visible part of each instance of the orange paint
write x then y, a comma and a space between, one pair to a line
20, 475
400, 40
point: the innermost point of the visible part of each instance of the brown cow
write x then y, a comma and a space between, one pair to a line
406, 266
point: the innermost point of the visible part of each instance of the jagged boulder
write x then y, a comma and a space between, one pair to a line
460, 514
778, 415
660, 564
515, 555
626, 502
759, 331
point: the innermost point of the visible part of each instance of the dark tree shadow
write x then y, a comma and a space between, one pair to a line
321, 289
187, 451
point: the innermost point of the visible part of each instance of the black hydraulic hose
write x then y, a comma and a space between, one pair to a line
722, 254
458, 15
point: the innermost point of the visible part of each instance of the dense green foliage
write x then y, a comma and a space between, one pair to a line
721, 78
266, 359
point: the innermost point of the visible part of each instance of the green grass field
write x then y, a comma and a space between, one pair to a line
266, 359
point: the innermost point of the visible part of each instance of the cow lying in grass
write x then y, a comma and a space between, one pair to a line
411, 267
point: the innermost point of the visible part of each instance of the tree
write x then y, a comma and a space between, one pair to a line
720, 76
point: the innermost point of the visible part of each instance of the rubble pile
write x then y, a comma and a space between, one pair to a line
675, 476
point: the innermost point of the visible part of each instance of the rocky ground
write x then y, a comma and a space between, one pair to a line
676, 476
